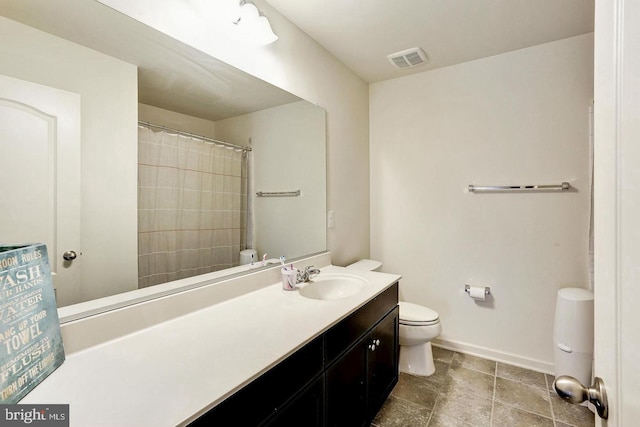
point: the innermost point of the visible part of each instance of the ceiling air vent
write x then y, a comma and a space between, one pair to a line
408, 58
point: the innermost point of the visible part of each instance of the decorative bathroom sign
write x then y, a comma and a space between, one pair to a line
30, 339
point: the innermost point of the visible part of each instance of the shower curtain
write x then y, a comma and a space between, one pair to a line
192, 206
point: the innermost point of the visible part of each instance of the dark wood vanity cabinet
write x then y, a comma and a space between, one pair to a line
361, 379
305, 409
340, 378
270, 393
382, 362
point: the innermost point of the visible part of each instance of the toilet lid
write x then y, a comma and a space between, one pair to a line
417, 315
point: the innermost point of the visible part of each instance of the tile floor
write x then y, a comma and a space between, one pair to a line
468, 391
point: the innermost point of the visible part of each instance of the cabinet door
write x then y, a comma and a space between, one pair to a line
346, 388
358, 324
382, 360
307, 409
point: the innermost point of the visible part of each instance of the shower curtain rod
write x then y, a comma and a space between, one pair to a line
193, 135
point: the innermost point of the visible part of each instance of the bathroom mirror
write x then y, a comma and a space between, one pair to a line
121, 71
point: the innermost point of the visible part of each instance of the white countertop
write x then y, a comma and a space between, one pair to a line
170, 373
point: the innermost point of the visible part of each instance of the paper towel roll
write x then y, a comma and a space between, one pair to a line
477, 293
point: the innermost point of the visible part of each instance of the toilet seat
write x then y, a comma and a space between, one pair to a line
417, 315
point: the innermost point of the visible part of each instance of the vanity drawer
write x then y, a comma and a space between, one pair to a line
340, 337
269, 393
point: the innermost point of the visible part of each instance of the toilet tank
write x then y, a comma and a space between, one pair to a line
366, 264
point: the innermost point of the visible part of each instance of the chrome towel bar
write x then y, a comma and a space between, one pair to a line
498, 188
278, 193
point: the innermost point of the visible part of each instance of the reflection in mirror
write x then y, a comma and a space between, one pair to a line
151, 205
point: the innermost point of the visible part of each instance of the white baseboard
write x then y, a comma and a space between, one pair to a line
498, 356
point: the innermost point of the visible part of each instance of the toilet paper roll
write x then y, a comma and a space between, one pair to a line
245, 256
477, 293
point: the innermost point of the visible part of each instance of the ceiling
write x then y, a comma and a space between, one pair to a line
362, 33
171, 75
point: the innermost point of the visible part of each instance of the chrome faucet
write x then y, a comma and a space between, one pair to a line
308, 273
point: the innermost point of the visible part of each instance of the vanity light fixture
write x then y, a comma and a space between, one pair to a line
253, 26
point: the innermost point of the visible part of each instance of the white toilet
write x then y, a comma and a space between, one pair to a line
418, 326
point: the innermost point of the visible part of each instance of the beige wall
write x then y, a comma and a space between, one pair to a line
299, 65
515, 118
109, 94
288, 144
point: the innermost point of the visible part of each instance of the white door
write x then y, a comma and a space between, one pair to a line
40, 174
617, 207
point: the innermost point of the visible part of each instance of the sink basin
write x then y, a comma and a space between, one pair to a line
332, 286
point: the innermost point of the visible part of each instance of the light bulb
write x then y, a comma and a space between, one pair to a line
229, 10
253, 28
248, 14
263, 32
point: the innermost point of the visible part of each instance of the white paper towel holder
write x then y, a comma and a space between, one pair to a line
487, 290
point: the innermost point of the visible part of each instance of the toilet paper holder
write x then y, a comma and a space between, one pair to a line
487, 289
